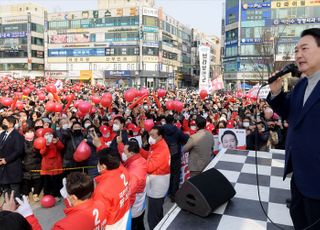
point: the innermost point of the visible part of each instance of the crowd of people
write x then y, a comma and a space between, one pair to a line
128, 161
124, 170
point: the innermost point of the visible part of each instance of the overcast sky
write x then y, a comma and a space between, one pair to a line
204, 15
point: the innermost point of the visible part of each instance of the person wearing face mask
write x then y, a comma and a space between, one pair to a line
71, 139
158, 179
31, 161
200, 147
11, 154
81, 212
51, 159
112, 188
117, 127
137, 169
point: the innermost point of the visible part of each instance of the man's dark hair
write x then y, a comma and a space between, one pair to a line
201, 122
159, 129
109, 158
169, 119
120, 119
314, 32
13, 220
11, 119
230, 133
80, 185
133, 146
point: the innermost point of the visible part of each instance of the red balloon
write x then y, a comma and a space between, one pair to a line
58, 108
26, 92
148, 124
31, 87
41, 96
161, 92
51, 88
178, 106
77, 103
6, 101
19, 105
80, 114
70, 97
129, 95
50, 106
203, 94
95, 99
84, 107
39, 132
48, 201
39, 143
170, 105
82, 152
93, 110
108, 95
144, 91
77, 88
106, 102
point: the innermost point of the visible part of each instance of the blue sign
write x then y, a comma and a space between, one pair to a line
117, 73
250, 40
85, 52
152, 29
21, 34
230, 43
254, 6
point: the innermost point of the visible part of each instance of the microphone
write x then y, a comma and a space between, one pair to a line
290, 68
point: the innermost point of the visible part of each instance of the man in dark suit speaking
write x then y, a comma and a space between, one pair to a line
11, 152
302, 109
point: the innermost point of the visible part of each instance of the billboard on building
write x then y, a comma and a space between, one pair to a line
204, 57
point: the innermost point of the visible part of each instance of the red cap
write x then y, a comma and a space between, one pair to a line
47, 130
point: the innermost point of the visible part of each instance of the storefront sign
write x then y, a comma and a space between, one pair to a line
21, 34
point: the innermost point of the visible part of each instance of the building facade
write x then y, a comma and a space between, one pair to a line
123, 42
22, 40
259, 36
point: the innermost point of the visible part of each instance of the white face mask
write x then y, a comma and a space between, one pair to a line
49, 138
163, 122
193, 127
245, 124
86, 125
16, 126
124, 157
65, 126
145, 107
98, 168
151, 140
116, 127
205, 115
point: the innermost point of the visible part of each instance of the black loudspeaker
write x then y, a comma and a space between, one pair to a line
204, 193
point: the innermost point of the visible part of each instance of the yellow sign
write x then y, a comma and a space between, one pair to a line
85, 74
294, 3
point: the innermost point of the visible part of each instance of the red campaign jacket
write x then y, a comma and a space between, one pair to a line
137, 168
92, 214
51, 159
33, 221
158, 169
112, 188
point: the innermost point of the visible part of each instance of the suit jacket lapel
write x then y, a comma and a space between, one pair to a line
313, 98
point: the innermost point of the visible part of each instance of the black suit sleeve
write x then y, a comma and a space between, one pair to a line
18, 149
280, 104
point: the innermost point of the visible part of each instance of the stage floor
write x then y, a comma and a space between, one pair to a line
244, 211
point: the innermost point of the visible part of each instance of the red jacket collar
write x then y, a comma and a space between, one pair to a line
131, 159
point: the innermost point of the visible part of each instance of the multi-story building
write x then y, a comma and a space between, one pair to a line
260, 36
131, 42
21, 40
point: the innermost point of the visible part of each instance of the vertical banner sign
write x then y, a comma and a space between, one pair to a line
204, 80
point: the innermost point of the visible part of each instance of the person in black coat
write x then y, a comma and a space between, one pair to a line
31, 161
11, 153
175, 138
71, 139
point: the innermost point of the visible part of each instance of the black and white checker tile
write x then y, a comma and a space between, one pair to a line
244, 211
